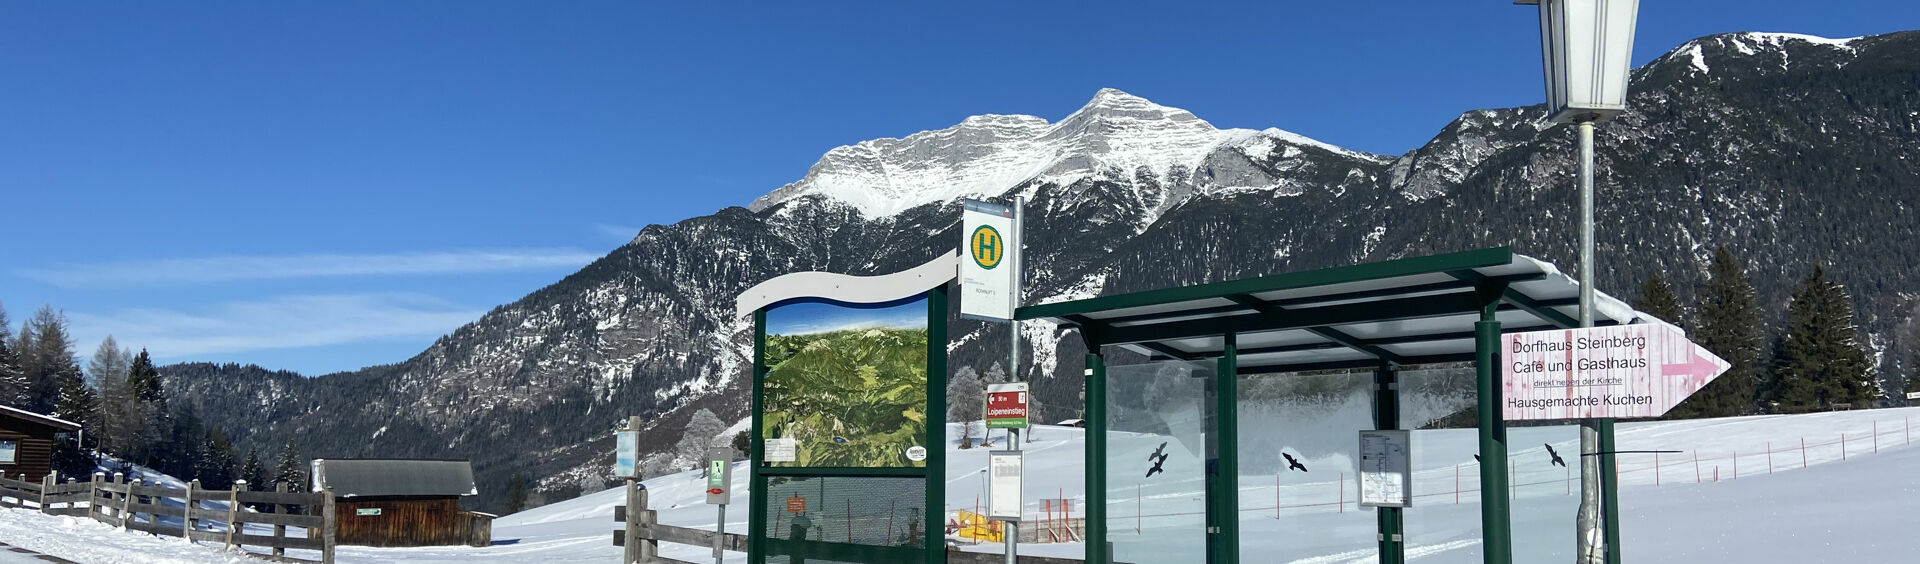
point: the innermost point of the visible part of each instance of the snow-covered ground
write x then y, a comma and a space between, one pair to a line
1860, 506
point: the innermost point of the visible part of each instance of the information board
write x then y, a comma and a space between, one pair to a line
626, 455
1385, 460
1004, 471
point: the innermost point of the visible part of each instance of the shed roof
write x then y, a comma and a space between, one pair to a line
376, 477
47, 420
1408, 311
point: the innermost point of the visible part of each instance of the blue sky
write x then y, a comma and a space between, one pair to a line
806, 318
328, 185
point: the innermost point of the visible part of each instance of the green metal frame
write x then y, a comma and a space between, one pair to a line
933, 549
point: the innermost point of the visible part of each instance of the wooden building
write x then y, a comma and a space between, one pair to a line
26, 442
395, 502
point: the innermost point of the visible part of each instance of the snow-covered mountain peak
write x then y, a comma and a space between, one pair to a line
1115, 134
1773, 48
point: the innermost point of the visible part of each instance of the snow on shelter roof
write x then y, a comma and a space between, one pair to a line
47, 420
369, 477
1410, 311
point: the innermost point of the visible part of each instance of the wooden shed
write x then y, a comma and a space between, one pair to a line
26, 442
402, 502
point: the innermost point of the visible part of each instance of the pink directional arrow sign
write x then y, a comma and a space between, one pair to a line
1619, 371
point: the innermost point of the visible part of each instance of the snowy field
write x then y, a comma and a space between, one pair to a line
1860, 504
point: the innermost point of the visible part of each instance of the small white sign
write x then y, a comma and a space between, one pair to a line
989, 260
783, 449
1385, 457
626, 454
1004, 470
916, 453
367, 511
1913, 395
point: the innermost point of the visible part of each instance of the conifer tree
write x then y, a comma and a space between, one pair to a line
1656, 298
13, 382
1728, 323
291, 469
46, 351
1820, 361
215, 468
75, 404
107, 372
252, 471
76, 401
1913, 371
517, 494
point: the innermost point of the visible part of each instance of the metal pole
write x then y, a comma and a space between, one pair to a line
1096, 455
720, 539
1013, 362
1589, 533
1496, 521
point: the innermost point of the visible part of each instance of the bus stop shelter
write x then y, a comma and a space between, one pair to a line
1448, 308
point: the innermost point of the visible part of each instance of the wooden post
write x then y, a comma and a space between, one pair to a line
186, 512
46, 485
279, 531
93, 496
125, 495
233, 509
328, 527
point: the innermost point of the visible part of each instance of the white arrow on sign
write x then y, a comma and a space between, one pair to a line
1620, 371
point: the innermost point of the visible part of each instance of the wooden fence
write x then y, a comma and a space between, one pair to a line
645, 528
139, 507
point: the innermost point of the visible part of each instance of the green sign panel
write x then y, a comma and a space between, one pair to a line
367, 511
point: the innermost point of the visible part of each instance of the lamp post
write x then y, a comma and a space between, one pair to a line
1586, 47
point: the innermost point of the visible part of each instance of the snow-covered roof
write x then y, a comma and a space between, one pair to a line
47, 420
1409, 311
367, 477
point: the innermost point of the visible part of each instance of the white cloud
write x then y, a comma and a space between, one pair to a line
275, 323
621, 233
189, 271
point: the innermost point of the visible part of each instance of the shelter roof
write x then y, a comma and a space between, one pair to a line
376, 477
47, 420
1409, 311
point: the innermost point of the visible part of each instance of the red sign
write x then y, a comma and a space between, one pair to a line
1007, 406
796, 504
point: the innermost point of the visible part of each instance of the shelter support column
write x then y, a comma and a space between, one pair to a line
1609, 491
1096, 453
1386, 415
1496, 527
1225, 478
936, 478
756, 448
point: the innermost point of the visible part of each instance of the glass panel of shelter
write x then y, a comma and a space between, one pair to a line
1298, 441
1158, 423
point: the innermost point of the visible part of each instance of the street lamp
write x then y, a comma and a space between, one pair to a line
1586, 47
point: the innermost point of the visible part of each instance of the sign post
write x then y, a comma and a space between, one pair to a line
990, 289
719, 490
1602, 372
1007, 406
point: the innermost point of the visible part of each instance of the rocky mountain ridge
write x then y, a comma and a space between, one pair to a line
1787, 150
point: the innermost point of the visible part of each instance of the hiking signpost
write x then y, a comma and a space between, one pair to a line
1639, 370
1007, 406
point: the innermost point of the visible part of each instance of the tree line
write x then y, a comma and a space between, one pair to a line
1815, 362
123, 411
